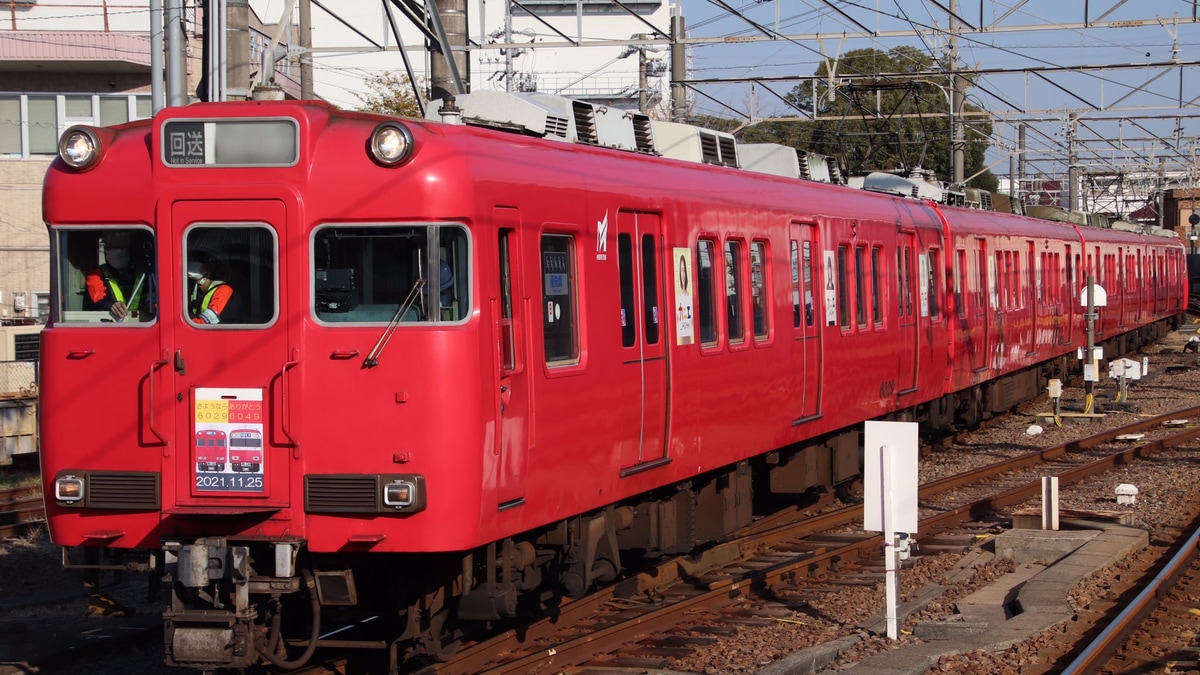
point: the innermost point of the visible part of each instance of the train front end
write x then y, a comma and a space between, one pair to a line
258, 313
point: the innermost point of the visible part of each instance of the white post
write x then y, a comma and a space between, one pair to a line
890, 555
1050, 502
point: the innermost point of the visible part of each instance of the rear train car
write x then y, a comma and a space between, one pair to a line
464, 372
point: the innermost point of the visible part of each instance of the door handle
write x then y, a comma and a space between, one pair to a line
283, 406
180, 364
150, 402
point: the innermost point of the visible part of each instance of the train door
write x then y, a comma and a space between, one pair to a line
980, 301
227, 279
806, 310
906, 272
643, 339
512, 382
1032, 306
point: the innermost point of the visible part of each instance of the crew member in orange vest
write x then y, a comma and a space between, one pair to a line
118, 286
210, 294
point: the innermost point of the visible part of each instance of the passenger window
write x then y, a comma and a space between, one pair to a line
650, 288
558, 292
105, 276
877, 285
374, 274
758, 289
860, 285
230, 275
806, 267
625, 272
934, 283
733, 290
843, 301
706, 312
795, 262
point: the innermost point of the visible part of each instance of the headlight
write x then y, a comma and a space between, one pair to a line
68, 489
79, 147
391, 144
399, 494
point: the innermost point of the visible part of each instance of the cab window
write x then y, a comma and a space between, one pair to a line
105, 276
230, 279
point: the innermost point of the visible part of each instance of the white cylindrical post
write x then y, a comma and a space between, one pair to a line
1050, 502
890, 562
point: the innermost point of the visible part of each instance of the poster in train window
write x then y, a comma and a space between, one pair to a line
685, 333
227, 445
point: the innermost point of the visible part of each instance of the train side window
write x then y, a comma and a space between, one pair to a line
242, 259
733, 290
650, 288
559, 290
105, 276
877, 285
508, 343
960, 266
860, 300
843, 299
706, 311
806, 269
934, 283
758, 289
374, 273
625, 273
794, 256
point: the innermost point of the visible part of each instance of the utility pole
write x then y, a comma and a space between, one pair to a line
237, 51
1072, 162
957, 158
643, 80
678, 67
306, 65
448, 72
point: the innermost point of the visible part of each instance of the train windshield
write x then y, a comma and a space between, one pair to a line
373, 273
105, 276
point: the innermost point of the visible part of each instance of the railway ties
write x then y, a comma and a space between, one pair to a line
649, 631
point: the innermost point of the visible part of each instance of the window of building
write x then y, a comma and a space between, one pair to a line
374, 273
558, 291
733, 290
706, 311
31, 124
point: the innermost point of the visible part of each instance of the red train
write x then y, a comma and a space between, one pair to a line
491, 358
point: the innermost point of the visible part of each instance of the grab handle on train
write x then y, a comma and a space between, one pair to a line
150, 403
284, 418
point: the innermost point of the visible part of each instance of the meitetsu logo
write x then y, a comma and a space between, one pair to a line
602, 238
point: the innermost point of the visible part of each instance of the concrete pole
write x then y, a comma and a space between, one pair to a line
958, 142
1072, 163
678, 69
306, 64
156, 55
237, 50
448, 59
176, 60
643, 80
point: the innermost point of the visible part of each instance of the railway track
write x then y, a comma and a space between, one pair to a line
637, 622
1145, 636
21, 509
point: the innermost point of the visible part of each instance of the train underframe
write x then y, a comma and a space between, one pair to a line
239, 603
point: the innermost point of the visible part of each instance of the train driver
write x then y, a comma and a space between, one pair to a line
120, 285
210, 293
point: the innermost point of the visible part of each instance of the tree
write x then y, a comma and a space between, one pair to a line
883, 124
390, 94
